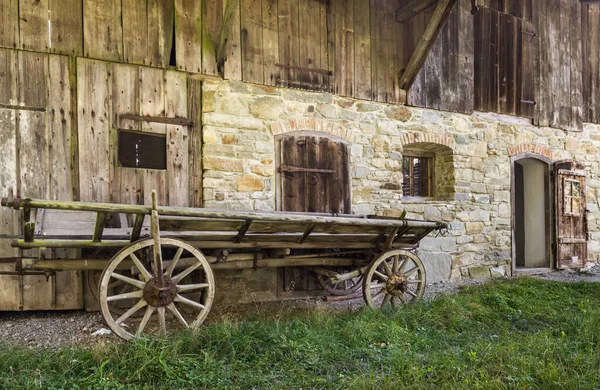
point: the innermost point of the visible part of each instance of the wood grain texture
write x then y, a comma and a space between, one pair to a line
344, 50
8, 77
160, 32
194, 104
251, 40
188, 35
9, 23
177, 140
270, 42
135, 31
66, 26
102, 30
591, 61
362, 50
212, 20
33, 24
93, 122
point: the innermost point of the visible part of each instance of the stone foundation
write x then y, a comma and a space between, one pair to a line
240, 122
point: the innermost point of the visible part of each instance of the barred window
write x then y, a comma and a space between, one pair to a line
418, 175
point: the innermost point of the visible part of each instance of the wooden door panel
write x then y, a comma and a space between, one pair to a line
571, 215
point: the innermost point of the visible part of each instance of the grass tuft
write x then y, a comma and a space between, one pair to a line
521, 333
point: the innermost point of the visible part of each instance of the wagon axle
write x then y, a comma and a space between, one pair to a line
160, 296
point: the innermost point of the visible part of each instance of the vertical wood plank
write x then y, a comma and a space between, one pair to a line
135, 31
188, 35
270, 42
194, 102
152, 103
576, 60
251, 39
465, 70
380, 53
177, 140
529, 61
233, 62
8, 76
160, 32
66, 26
94, 125
593, 73
33, 24
563, 94
309, 39
59, 129
9, 23
126, 183
344, 71
362, 50
331, 43
102, 31
316, 183
288, 40
212, 21
293, 184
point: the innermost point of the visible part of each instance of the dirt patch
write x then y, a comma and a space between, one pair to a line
37, 329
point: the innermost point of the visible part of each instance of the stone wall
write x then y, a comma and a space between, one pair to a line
240, 122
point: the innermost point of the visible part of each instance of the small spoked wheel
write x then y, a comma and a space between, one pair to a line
344, 287
395, 278
138, 301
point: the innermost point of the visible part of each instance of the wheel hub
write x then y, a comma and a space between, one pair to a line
159, 296
396, 284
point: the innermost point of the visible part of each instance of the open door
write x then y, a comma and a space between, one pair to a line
571, 218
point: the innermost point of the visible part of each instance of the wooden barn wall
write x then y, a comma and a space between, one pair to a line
590, 17
106, 92
35, 154
560, 84
446, 80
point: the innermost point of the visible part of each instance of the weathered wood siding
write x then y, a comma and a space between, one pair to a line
446, 80
35, 155
106, 93
590, 16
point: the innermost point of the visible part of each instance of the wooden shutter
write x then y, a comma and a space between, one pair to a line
314, 175
571, 215
529, 58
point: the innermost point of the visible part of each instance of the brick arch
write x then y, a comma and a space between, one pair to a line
416, 138
530, 148
313, 124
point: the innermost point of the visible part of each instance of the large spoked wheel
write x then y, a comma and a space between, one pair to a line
394, 279
136, 301
344, 287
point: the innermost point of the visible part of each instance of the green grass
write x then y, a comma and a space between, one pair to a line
521, 333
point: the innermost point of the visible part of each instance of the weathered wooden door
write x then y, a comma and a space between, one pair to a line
571, 215
314, 175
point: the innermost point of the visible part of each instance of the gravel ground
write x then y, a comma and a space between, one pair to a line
37, 329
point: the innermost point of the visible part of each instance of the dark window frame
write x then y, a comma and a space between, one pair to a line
154, 156
408, 189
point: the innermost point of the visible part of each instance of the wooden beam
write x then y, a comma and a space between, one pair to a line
418, 58
411, 8
225, 32
158, 119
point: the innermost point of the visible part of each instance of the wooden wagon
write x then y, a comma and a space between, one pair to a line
157, 279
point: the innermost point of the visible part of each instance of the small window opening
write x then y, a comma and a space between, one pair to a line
418, 176
142, 150
572, 197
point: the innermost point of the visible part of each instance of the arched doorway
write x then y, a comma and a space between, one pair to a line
532, 217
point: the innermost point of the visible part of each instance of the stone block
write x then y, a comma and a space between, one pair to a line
231, 121
208, 101
431, 213
367, 107
327, 110
222, 164
464, 239
437, 265
262, 170
267, 107
438, 244
479, 272
307, 97
249, 183
480, 216
398, 113
232, 105
498, 272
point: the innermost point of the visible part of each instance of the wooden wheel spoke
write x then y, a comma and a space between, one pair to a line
145, 319
173, 264
381, 276
386, 300
129, 295
141, 303
378, 285
387, 268
402, 298
177, 314
191, 287
414, 281
395, 263
185, 301
146, 275
411, 271
134, 282
404, 264
162, 322
393, 302
379, 294
186, 272
412, 294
